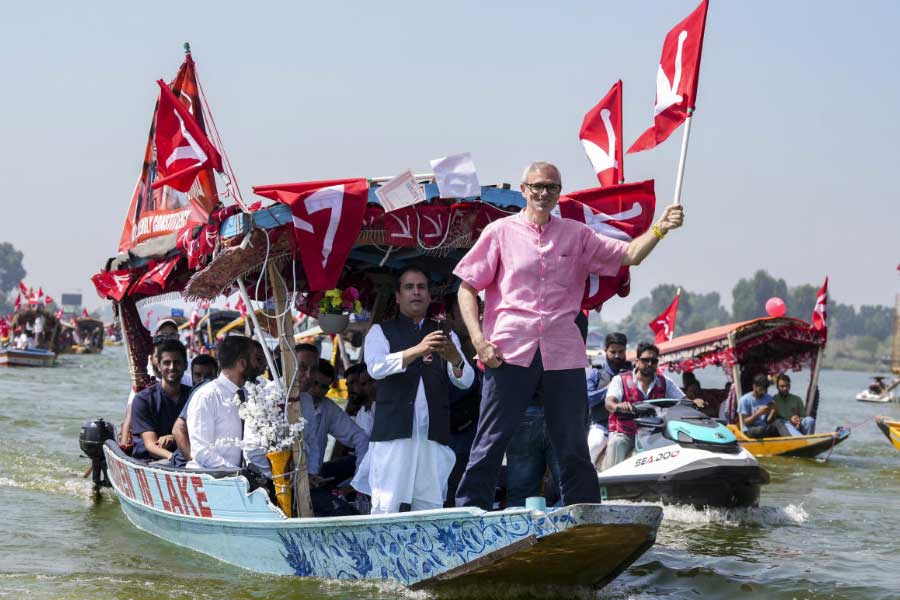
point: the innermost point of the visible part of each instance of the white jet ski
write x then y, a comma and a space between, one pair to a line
684, 457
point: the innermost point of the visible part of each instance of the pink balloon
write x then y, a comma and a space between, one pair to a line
775, 307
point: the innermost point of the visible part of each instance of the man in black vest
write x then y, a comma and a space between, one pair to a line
414, 363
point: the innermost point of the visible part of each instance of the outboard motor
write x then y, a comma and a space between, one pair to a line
93, 435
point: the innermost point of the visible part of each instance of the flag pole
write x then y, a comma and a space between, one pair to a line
679, 177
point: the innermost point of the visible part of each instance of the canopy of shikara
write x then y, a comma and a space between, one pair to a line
772, 344
386, 244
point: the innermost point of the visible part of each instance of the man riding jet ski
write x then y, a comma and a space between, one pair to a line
684, 457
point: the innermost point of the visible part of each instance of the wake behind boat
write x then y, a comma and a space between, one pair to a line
682, 456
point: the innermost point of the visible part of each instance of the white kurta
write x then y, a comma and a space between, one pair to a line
413, 470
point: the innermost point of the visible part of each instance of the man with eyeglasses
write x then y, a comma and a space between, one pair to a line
531, 267
627, 389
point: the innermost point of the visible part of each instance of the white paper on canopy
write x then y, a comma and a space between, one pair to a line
456, 176
400, 191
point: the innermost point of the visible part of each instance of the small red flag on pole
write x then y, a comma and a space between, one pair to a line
819, 314
664, 325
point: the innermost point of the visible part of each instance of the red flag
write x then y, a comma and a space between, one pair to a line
22, 287
819, 314
112, 284
84, 313
155, 280
664, 324
182, 148
601, 136
156, 215
40, 293
676, 79
240, 306
622, 212
48, 300
18, 304
327, 217
4, 328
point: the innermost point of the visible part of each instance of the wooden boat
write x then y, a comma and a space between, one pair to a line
891, 430
766, 345
799, 445
208, 329
216, 513
90, 335
13, 357
45, 346
584, 545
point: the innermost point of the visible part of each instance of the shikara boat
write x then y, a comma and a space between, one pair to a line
798, 445
767, 345
13, 357
90, 335
891, 430
579, 546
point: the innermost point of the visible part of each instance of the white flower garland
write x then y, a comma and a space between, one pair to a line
264, 417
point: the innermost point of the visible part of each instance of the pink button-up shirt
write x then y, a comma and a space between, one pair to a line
533, 281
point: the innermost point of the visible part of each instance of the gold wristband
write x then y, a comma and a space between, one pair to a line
657, 232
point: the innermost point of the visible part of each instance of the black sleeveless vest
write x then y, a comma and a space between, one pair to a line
395, 395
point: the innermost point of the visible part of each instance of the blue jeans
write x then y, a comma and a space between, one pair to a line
528, 456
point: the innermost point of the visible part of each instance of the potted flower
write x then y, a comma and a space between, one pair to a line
335, 309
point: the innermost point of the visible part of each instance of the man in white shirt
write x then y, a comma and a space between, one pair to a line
214, 426
414, 362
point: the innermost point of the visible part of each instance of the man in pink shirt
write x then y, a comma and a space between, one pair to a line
532, 268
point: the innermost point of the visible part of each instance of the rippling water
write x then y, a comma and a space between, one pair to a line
823, 529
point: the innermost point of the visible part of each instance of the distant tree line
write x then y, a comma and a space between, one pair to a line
698, 311
11, 273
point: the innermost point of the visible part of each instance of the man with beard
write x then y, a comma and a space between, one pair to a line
212, 416
360, 396
598, 378
415, 363
627, 389
155, 409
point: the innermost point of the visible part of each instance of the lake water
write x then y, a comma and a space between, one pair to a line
823, 529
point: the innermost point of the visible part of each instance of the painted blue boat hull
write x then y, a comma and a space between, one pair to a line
580, 545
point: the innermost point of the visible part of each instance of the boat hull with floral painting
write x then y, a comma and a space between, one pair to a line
212, 512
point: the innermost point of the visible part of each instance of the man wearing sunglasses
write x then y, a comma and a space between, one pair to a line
532, 267
627, 389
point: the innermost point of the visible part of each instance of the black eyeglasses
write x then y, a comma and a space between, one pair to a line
650, 360
539, 188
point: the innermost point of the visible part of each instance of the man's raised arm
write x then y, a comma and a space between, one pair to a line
641, 246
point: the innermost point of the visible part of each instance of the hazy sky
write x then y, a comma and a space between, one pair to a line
792, 165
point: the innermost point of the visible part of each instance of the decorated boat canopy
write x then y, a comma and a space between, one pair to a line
774, 344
